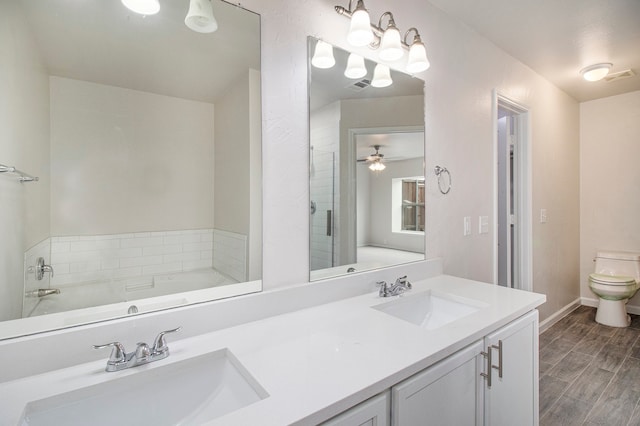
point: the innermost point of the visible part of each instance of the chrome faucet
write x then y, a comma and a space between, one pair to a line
400, 286
121, 360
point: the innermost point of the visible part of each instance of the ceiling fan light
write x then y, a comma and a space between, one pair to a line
377, 166
323, 55
596, 72
200, 17
143, 7
355, 67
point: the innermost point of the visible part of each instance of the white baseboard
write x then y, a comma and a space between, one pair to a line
544, 325
632, 309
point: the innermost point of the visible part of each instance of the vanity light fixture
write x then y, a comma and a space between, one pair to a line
323, 55
381, 76
360, 33
355, 67
200, 17
418, 61
596, 72
388, 40
390, 44
143, 7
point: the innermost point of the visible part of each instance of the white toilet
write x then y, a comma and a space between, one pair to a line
615, 280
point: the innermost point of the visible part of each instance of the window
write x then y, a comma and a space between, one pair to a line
413, 204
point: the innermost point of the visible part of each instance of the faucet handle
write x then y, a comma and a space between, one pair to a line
159, 344
142, 351
383, 288
118, 354
403, 281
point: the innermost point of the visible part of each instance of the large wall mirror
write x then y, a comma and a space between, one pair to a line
366, 165
145, 137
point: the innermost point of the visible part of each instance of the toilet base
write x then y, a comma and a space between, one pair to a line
613, 313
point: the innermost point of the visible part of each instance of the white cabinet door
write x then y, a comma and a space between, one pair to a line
448, 393
513, 398
372, 412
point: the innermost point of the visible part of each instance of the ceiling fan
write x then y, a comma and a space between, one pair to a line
374, 160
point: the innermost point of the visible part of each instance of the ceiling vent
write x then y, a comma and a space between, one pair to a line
359, 85
619, 75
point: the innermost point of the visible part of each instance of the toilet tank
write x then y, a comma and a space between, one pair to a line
621, 263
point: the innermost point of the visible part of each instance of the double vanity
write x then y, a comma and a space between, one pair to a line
451, 350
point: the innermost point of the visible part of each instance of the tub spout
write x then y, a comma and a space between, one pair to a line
41, 292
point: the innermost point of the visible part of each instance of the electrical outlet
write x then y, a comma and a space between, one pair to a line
467, 226
543, 215
483, 225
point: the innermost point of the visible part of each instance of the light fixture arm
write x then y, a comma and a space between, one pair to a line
416, 37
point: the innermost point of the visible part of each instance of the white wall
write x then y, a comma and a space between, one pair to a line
459, 134
24, 137
128, 161
609, 181
381, 196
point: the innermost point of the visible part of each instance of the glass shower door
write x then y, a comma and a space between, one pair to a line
322, 209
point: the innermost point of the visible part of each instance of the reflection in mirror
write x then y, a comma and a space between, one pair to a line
366, 165
145, 137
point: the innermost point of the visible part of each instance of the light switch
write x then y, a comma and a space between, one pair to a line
483, 225
467, 225
543, 215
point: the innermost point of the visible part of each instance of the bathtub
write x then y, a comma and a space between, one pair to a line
116, 291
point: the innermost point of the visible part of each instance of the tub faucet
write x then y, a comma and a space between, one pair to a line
121, 360
41, 292
400, 286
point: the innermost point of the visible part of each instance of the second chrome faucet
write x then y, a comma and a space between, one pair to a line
400, 286
120, 359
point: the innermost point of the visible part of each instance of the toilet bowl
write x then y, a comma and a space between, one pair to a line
615, 280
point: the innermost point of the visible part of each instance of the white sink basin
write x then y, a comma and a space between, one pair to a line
428, 310
192, 391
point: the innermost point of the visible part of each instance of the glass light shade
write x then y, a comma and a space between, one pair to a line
355, 67
390, 46
143, 7
200, 17
595, 72
381, 76
323, 55
418, 61
377, 166
360, 33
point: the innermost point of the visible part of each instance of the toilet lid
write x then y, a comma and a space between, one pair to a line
611, 279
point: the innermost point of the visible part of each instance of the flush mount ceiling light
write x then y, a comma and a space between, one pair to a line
143, 7
596, 72
391, 47
323, 55
200, 17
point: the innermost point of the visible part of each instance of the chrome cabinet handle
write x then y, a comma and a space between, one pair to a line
118, 354
499, 366
160, 344
487, 375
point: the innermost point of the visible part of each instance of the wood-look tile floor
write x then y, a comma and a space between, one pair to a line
589, 373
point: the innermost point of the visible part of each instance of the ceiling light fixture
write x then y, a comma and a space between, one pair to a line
143, 7
391, 47
596, 72
377, 166
200, 17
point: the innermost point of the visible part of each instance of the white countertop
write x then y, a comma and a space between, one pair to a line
313, 363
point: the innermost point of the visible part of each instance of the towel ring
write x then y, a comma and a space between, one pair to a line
439, 171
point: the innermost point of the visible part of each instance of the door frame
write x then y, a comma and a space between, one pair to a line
524, 188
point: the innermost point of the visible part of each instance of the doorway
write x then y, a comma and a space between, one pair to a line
512, 207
